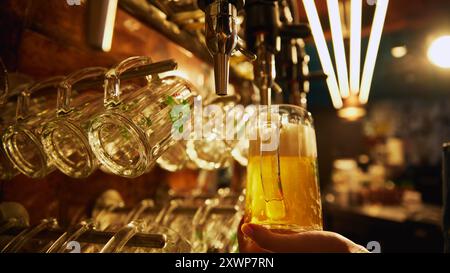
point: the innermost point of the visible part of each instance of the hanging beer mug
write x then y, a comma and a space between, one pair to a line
21, 141
135, 128
211, 149
65, 137
7, 113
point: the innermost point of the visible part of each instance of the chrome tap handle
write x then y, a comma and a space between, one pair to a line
221, 37
276, 88
242, 48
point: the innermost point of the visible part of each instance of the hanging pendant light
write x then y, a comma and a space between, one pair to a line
349, 90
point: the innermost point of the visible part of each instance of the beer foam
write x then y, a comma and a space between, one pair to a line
297, 140
294, 140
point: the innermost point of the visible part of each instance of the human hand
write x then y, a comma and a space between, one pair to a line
255, 238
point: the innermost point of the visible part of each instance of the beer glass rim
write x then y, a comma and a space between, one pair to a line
59, 160
121, 122
15, 155
305, 114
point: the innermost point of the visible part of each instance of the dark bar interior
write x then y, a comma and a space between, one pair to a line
148, 126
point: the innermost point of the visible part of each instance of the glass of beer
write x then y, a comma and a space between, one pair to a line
282, 191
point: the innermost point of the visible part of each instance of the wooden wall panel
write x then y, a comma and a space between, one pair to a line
57, 44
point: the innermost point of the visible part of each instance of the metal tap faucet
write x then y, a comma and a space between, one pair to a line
221, 36
264, 69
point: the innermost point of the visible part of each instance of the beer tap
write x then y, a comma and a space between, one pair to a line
274, 35
264, 34
293, 70
264, 70
262, 28
221, 34
299, 78
292, 61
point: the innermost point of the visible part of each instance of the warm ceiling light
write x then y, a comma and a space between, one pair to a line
338, 45
354, 88
399, 51
355, 45
352, 113
353, 110
102, 17
439, 52
322, 49
372, 49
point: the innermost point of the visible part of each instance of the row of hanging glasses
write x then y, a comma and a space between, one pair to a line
198, 223
117, 119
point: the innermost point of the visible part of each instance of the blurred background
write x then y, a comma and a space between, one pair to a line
397, 145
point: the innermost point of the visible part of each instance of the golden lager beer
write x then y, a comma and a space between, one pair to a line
282, 183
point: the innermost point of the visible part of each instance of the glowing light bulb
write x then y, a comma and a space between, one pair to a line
439, 52
399, 51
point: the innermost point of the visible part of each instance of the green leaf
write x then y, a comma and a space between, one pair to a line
170, 101
125, 134
145, 121
149, 122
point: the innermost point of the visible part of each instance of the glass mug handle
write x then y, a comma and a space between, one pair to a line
23, 101
270, 171
121, 238
112, 78
60, 244
65, 87
22, 238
